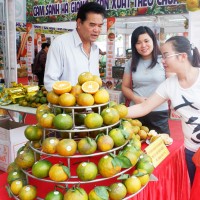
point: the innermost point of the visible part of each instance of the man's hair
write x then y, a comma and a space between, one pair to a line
90, 7
45, 45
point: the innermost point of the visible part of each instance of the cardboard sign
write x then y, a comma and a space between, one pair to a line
157, 151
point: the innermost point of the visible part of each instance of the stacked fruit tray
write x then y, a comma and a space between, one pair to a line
79, 141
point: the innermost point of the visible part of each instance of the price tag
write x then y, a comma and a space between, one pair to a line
157, 151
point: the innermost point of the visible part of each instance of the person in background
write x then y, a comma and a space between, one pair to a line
183, 89
143, 73
40, 63
74, 53
102, 52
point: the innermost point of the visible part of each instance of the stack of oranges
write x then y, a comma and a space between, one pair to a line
87, 92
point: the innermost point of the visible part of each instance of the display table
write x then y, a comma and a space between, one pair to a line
20, 109
172, 184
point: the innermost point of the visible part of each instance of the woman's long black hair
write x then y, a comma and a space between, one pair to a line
135, 55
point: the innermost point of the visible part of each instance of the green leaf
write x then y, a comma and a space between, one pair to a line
123, 177
97, 137
124, 161
102, 192
140, 174
89, 140
116, 162
66, 170
112, 155
125, 133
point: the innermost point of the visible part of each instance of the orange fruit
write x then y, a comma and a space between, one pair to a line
67, 99
25, 158
105, 143
85, 99
142, 175
145, 128
117, 136
98, 193
87, 145
122, 110
66, 147
133, 157
52, 97
36, 144
106, 167
136, 122
40, 169
135, 142
145, 158
49, 145
63, 122
126, 122
97, 79
59, 172
129, 130
132, 184
33, 133
12, 166
90, 87
76, 193
133, 149
61, 87
79, 119
112, 103
143, 134
54, 195
101, 96
145, 165
28, 192
57, 110
110, 116
93, 120
42, 109
76, 90
85, 76
16, 186
15, 175
87, 171
46, 120
117, 191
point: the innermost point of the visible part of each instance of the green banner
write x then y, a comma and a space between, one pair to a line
44, 11
21, 27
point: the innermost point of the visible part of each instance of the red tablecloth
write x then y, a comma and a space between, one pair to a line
172, 184
173, 180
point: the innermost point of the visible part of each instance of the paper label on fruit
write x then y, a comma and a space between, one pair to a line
157, 151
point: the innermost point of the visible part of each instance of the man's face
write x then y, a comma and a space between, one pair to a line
90, 29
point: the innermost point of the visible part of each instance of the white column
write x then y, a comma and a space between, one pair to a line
194, 28
12, 41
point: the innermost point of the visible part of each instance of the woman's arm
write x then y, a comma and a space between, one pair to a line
146, 107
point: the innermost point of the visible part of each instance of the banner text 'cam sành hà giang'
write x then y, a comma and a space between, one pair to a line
43, 11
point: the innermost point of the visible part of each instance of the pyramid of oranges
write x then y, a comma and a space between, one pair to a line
87, 92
